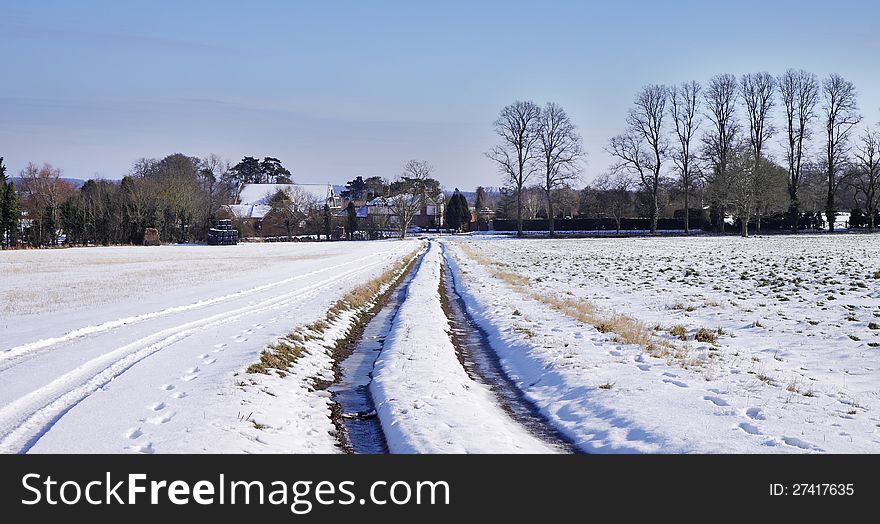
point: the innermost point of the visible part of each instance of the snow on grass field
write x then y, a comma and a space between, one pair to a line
689, 344
145, 349
651, 345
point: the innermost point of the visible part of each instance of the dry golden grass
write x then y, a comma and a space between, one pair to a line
626, 329
509, 277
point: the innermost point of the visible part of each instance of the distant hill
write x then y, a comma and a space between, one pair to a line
471, 196
75, 182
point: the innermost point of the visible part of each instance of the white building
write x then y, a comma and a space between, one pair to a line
253, 199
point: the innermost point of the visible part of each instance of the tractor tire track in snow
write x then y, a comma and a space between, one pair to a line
483, 365
25, 420
425, 400
10, 356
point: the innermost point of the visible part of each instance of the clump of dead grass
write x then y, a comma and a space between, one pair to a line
625, 329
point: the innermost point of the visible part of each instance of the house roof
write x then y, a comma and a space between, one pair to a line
249, 210
261, 193
359, 212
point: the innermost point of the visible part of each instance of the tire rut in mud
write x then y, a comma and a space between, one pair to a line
482, 364
353, 412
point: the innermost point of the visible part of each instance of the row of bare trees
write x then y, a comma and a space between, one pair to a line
537, 141
719, 136
178, 195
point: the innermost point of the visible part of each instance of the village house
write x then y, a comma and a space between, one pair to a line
254, 208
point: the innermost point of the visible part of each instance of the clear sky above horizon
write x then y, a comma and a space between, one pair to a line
337, 89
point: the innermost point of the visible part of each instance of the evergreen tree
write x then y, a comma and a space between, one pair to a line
351, 216
12, 211
248, 171
457, 212
355, 189
9, 209
49, 233
3, 211
73, 222
272, 172
464, 211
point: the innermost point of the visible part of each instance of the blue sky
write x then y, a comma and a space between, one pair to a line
337, 89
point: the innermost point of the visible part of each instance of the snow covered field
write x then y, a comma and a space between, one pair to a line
787, 361
144, 349
657, 345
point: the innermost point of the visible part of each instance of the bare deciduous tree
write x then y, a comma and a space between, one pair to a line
532, 201
642, 149
757, 92
616, 197
408, 201
772, 190
841, 116
741, 175
684, 104
212, 171
866, 182
721, 139
517, 126
800, 93
561, 150
43, 191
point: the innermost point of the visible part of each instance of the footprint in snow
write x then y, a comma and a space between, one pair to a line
220, 346
133, 433
718, 401
675, 383
167, 387
161, 419
190, 377
751, 429
192, 370
755, 414
146, 448
643, 367
802, 444
158, 406
208, 361
203, 355
179, 394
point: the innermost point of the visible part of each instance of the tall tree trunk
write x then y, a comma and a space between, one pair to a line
829, 210
655, 212
550, 215
519, 219
794, 209
687, 214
